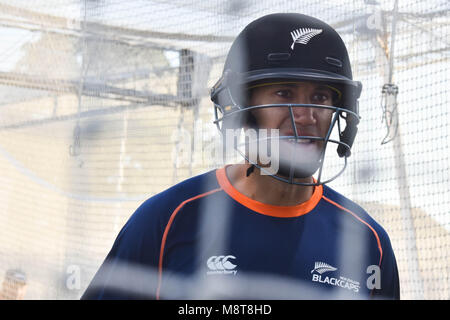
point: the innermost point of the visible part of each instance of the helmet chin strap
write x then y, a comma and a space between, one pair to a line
250, 170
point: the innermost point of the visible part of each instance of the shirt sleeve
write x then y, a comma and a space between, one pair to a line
389, 284
130, 269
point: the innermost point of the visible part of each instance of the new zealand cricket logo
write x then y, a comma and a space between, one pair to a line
303, 35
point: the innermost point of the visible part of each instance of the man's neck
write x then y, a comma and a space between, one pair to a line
266, 189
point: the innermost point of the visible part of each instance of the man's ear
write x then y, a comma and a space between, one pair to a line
250, 120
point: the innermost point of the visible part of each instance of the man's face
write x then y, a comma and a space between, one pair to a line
303, 155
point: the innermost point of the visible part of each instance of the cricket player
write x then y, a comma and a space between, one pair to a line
255, 229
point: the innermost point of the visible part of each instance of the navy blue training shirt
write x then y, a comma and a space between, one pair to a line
203, 239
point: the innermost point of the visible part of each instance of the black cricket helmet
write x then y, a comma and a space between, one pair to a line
289, 47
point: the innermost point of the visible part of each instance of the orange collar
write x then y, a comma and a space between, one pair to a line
268, 209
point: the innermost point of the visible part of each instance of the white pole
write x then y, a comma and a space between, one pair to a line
409, 243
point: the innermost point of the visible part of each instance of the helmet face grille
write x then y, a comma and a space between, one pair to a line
291, 163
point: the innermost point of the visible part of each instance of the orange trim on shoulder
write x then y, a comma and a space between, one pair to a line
166, 231
267, 209
360, 220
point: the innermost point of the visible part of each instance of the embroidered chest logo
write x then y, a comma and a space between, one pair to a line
321, 267
303, 35
221, 265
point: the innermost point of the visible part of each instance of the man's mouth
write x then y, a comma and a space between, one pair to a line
301, 140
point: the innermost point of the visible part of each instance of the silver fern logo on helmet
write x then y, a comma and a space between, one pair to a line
303, 35
322, 267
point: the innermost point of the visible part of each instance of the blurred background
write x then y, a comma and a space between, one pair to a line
104, 103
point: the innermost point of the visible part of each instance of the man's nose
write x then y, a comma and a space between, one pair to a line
303, 115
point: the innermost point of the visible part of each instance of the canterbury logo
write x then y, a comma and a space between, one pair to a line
303, 35
322, 267
220, 263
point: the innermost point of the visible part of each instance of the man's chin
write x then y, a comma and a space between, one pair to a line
299, 171
299, 160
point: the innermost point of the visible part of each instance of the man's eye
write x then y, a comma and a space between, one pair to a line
283, 93
321, 97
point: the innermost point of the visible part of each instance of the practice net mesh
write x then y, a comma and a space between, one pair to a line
105, 103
